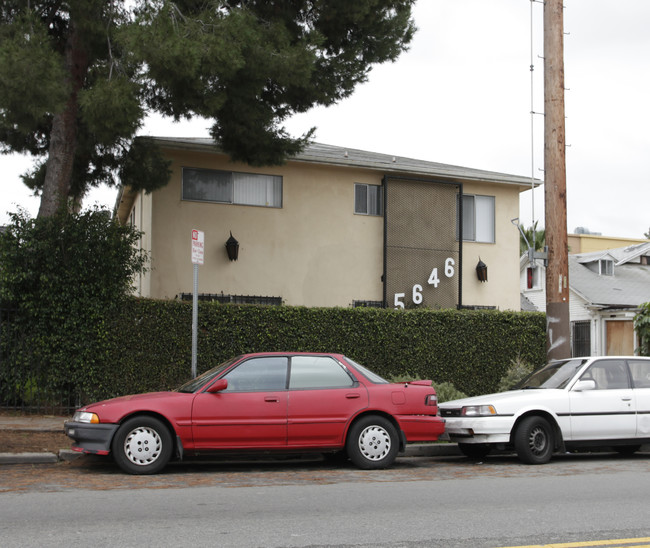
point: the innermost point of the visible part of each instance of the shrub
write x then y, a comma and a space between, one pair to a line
642, 327
64, 277
447, 392
517, 371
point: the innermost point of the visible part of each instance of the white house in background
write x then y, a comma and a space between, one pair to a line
606, 289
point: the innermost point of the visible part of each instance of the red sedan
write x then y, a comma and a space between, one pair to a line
284, 402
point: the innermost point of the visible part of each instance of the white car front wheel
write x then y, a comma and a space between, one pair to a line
534, 440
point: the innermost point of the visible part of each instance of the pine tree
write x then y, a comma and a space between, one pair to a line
79, 76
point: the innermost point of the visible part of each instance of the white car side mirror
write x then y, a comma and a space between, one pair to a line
586, 384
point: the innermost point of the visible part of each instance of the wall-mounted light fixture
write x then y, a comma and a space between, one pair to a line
232, 248
481, 271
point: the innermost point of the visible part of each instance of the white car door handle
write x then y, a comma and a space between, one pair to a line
626, 399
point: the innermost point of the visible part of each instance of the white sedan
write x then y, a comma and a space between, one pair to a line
565, 405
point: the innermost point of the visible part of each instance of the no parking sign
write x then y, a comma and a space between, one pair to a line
197, 246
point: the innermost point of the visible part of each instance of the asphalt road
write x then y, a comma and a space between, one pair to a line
434, 502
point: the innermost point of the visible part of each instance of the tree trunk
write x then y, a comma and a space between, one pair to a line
63, 137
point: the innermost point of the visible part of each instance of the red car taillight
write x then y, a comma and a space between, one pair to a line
431, 399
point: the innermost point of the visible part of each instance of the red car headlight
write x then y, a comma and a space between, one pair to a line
84, 416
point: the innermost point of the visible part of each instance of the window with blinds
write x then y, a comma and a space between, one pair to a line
231, 187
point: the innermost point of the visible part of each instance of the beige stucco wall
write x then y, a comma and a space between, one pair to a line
586, 243
314, 251
501, 257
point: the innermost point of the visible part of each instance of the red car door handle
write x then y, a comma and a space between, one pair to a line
271, 399
351, 396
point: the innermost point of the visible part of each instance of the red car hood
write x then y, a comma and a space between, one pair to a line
135, 398
175, 406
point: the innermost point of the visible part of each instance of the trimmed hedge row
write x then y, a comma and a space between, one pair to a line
149, 342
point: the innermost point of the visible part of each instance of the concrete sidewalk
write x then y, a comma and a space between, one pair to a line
35, 423
49, 423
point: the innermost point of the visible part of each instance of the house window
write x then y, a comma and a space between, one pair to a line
581, 339
368, 199
478, 218
533, 278
231, 187
606, 267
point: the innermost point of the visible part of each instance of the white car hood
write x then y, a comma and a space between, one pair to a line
511, 400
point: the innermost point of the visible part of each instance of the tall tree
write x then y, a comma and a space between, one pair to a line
79, 76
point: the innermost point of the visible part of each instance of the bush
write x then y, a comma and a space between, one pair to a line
65, 278
73, 329
517, 371
448, 392
642, 327
444, 390
149, 346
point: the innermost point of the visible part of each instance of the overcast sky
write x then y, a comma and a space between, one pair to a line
462, 95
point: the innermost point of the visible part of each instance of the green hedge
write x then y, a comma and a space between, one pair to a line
149, 341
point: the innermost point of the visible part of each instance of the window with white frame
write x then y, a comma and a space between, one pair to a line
231, 187
478, 218
368, 199
606, 267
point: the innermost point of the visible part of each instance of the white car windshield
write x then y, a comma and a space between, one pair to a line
553, 375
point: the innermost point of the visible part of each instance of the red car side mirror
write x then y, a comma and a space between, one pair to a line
218, 386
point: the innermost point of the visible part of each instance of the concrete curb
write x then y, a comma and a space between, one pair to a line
67, 455
28, 458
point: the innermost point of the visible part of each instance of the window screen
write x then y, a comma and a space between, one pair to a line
367, 199
207, 185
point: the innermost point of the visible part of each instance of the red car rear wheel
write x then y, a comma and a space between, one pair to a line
372, 443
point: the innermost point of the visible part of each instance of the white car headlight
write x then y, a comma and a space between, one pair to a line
84, 416
478, 411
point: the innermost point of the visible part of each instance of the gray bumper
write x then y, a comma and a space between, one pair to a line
91, 438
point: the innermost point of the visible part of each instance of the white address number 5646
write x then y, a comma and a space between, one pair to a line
433, 280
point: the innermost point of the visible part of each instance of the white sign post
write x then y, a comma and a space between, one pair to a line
197, 259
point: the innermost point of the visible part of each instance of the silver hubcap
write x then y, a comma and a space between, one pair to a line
538, 440
374, 443
142, 446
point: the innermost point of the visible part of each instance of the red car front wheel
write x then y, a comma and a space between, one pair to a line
142, 445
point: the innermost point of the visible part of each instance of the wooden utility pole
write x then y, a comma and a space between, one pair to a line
558, 338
